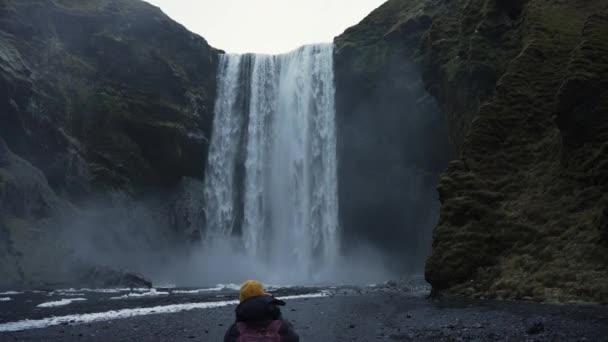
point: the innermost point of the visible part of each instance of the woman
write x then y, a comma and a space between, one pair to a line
258, 317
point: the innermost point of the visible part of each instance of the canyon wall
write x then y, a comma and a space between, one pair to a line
522, 89
106, 110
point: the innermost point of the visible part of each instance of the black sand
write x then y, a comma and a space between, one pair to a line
348, 315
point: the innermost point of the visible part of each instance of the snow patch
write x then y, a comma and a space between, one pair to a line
211, 289
152, 293
116, 290
224, 287
229, 287
5, 299
126, 313
62, 302
10, 293
218, 287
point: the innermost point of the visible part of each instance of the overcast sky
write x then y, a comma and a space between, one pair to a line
266, 26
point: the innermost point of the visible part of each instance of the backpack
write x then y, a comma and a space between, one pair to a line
269, 333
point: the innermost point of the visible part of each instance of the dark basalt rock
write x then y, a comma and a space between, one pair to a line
98, 99
28, 207
535, 328
536, 146
104, 94
106, 277
522, 86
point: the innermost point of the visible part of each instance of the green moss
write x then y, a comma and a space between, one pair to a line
452, 68
19, 233
15, 226
6, 176
519, 207
109, 103
77, 65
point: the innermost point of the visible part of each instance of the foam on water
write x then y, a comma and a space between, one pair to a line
61, 292
10, 293
151, 293
62, 302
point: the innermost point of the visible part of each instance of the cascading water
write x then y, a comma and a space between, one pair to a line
272, 171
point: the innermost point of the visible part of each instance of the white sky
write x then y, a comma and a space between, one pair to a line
266, 26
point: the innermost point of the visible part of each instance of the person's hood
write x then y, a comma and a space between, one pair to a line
261, 308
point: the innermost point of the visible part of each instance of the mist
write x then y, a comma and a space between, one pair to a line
140, 235
225, 262
392, 146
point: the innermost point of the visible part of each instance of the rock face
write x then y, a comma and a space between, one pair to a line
104, 94
392, 141
105, 277
27, 207
528, 194
523, 89
105, 108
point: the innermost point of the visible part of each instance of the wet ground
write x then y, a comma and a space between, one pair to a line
394, 312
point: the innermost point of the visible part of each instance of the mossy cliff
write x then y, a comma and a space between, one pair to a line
523, 89
107, 105
109, 94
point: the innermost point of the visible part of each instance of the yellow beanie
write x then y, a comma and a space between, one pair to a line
251, 288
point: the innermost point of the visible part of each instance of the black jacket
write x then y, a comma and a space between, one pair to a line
261, 311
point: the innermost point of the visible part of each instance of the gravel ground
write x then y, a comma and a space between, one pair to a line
349, 314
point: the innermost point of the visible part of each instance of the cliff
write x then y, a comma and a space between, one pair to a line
104, 93
522, 89
392, 141
107, 105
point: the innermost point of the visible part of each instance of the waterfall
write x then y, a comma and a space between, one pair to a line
271, 177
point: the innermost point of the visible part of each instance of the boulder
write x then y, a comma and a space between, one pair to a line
107, 277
